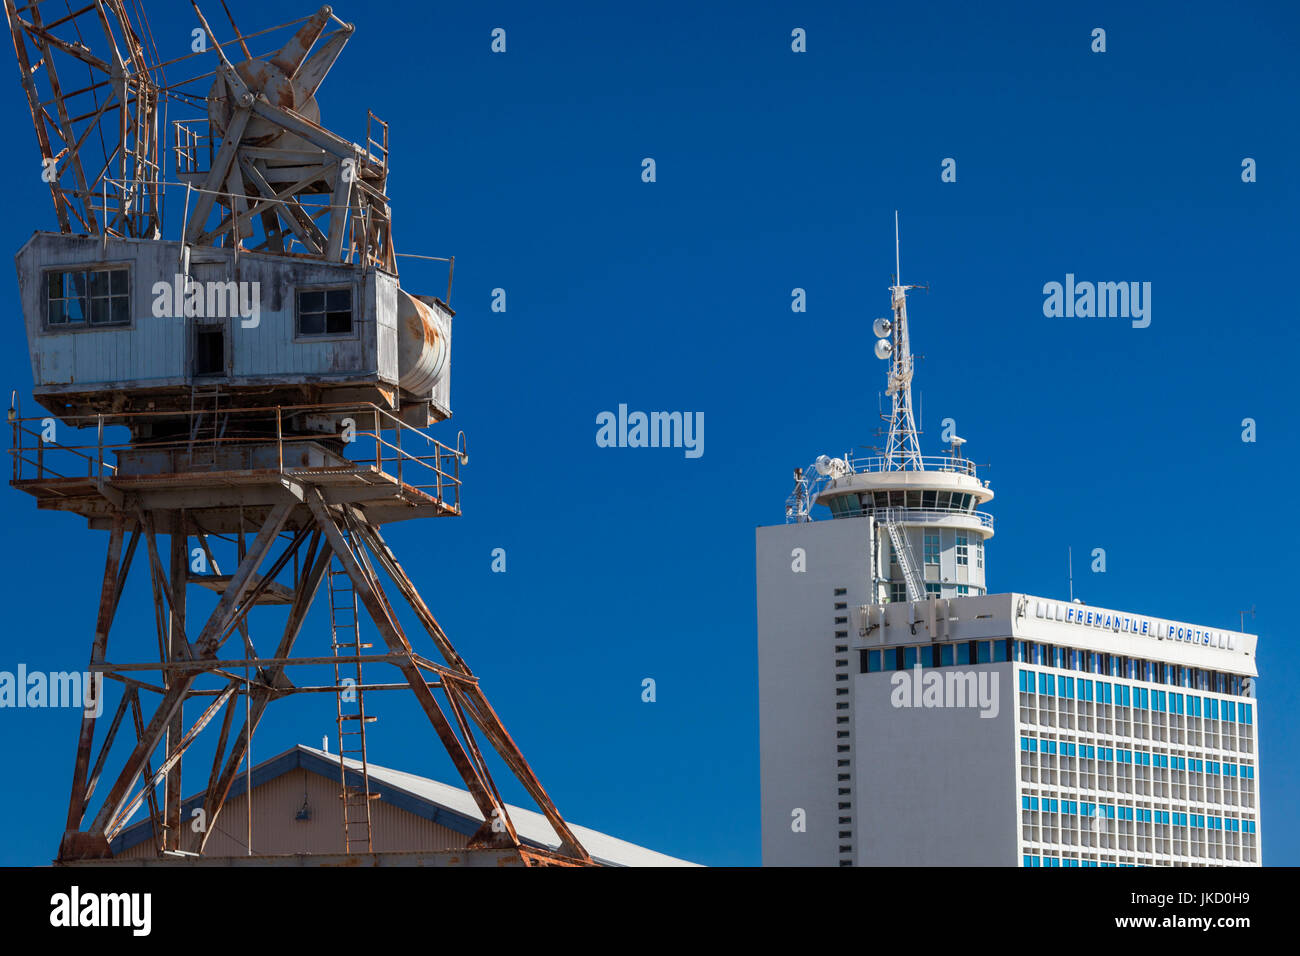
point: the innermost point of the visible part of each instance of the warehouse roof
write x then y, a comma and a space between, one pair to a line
449, 806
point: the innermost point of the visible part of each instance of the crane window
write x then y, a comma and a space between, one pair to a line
324, 311
87, 297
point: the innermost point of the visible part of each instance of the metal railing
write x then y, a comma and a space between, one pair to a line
809, 482
377, 148
372, 439
903, 515
946, 463
193, 139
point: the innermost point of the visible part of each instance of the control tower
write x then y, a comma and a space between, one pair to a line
909, 718
927, 528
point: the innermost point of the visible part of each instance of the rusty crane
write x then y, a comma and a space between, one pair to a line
285, 424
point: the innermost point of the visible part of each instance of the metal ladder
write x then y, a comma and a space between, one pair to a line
345, 640
377, 149
205, 435
906, 561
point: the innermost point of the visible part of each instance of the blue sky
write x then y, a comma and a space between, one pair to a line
776, 170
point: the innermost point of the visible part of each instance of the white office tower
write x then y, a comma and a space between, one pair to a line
908, 718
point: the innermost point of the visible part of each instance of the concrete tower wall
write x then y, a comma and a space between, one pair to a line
934, 786
804, 690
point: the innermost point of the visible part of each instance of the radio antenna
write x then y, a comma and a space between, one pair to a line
898, 268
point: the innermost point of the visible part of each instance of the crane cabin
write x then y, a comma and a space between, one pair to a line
141, 325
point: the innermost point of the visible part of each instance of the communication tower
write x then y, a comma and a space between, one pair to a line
927, 506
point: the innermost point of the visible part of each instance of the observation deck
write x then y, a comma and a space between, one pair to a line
945, 490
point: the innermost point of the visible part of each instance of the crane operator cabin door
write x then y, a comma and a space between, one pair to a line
208, 311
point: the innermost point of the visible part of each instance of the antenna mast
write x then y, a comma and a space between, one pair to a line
902, 451
898, 268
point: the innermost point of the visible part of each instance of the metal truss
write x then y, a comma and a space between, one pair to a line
83, 99
304, 528
258, 171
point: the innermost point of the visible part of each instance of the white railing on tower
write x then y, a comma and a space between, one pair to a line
942, 463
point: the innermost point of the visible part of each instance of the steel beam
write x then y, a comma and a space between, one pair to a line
305, 593
110, 590
478, 705
153, 780
367, 588
172, 700
178, 647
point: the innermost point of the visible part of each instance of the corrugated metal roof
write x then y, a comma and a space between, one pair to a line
446, 805
529, 824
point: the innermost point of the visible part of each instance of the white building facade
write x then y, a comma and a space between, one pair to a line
908, 717
997, 730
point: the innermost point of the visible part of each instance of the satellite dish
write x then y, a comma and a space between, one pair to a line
882, 327
838, 467
823, 465
883, 348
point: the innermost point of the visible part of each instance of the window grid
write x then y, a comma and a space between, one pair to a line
1134, 775
87, 298
324, 311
